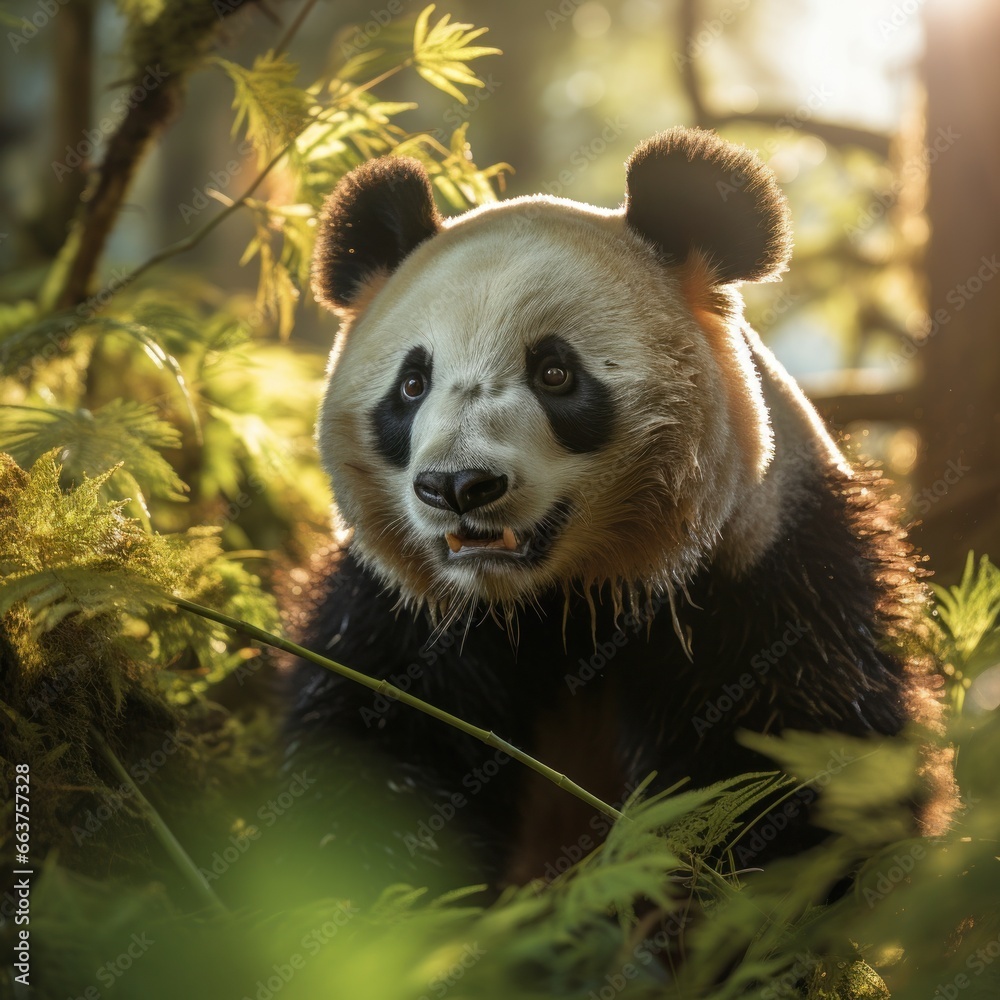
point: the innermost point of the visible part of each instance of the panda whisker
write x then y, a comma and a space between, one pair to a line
455, 608
390, 526
465, 631
365, 470
682, 637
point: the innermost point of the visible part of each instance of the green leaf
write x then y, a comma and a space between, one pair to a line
123, 431
440, 53
15, 316
965, 636
266, 100
865, 785
969, 609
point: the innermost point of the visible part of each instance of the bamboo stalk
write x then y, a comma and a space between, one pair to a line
163, 833
385, 688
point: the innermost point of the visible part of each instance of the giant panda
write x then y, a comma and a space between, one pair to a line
580, 505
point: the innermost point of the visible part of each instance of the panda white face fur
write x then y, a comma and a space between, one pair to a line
542, 394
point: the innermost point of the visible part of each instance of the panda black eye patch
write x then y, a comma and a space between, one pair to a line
579, 406
393, 415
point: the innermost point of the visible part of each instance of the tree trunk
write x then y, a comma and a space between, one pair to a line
957, 492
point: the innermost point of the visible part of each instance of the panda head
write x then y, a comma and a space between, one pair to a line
542, 394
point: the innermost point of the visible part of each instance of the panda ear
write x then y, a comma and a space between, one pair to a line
688, 190
376, 215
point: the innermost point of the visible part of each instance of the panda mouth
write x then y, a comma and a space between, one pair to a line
504, 543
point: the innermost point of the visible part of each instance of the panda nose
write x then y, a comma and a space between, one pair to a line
459, 491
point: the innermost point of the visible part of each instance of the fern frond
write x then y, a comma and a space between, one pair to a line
73, 557
121, 432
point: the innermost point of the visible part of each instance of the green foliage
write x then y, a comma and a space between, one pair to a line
670, 905
441, 53
123, 431
85, 379
267, 101
967, 639
648, 914
75, 559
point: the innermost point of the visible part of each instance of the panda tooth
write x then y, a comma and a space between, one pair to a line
454, 542
509, 539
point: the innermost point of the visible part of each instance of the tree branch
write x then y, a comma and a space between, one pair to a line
687, 17
165, 51
830, 133
74, 56
842, 408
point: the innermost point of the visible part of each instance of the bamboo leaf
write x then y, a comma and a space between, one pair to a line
441, 53
269, 105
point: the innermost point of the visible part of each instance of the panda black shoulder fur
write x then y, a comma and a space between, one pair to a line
585, 505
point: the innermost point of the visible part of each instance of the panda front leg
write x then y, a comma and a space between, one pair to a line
394, 795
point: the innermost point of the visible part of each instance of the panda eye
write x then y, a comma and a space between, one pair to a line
412, 387
554, 375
